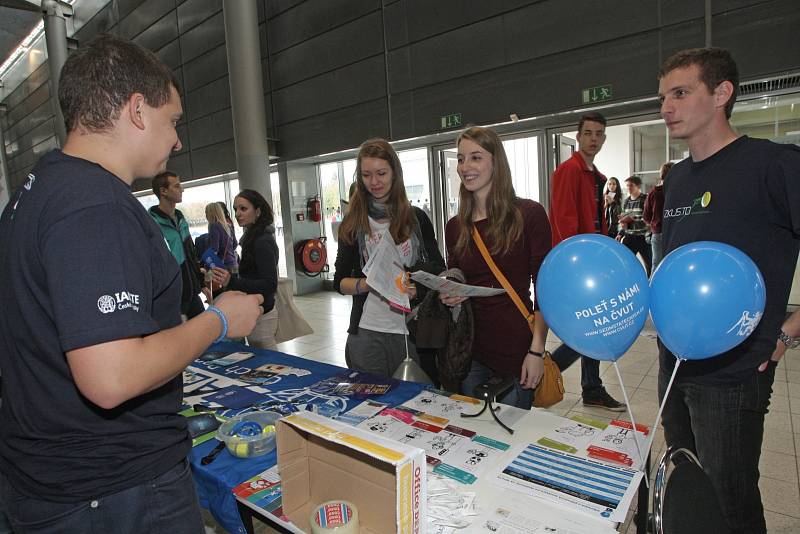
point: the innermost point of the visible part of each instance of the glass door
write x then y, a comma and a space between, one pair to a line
524, 152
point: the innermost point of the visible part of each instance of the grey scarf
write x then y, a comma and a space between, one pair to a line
379, 211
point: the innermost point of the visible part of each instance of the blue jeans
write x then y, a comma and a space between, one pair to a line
167, 503
724, 426
658, 253
516, 396
564, 356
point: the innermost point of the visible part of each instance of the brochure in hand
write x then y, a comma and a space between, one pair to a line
210, 259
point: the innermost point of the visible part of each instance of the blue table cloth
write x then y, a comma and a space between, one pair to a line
216, 480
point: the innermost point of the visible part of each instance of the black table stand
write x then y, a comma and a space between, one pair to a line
489, 391
492, 409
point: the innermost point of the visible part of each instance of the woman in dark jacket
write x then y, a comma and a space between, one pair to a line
612, 203
377, 334
258, 270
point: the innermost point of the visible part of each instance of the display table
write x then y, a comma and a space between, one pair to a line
216, 480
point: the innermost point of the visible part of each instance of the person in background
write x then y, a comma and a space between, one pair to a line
346, 203
577, 207
169, 191
232, 232
653, 213
377, 335
258, 270
219, 238
92, 345
517, 235
612, 203
744, 192
632, 228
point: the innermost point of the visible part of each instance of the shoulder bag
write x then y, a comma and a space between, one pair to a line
551, 387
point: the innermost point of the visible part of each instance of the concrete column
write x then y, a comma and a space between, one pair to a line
55, 33
247, 95
5, 179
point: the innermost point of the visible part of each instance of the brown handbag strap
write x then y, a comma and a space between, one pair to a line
529, 317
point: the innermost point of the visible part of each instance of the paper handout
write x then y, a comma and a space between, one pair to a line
385, 273
454, 289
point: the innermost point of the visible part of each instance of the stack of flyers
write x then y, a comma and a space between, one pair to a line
263, 490
356, 384
234, 397
270, 373
232, 358
615, 443
361, 412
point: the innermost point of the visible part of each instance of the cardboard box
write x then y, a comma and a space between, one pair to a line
320, 459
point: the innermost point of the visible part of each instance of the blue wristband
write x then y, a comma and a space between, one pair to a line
224, 321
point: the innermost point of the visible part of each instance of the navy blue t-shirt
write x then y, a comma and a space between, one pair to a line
754, 191
81, 263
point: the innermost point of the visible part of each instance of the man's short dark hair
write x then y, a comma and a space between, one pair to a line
161, 180
634, 180
716, 65
99, 77
594, 116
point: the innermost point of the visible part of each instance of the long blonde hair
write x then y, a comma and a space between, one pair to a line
502, 213
214, 214
402, 220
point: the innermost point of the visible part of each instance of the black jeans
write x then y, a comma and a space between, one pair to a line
591, 384
168, 503
724, 426
638, 243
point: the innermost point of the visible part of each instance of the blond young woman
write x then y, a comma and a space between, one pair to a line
219, 237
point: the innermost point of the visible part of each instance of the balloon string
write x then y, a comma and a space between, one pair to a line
405, 333
663, 402
633, 421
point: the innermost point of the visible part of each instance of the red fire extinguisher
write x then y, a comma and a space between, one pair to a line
315, 209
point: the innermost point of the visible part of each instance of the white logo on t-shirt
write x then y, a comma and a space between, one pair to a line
119, 301
106, 304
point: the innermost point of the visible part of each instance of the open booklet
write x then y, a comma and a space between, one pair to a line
454, 289
386, 273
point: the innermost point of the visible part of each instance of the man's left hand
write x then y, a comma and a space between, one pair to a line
780, 350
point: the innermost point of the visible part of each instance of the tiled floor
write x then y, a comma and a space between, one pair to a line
329, 313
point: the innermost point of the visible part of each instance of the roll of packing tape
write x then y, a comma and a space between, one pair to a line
335, 517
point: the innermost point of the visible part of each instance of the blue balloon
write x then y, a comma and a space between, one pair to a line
706, 298
594, 295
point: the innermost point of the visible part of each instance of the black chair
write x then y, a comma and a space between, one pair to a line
685, 501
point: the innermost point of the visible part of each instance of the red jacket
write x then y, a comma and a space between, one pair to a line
654, 209
573, 201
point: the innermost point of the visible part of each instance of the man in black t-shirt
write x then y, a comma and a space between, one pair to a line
746, 193
91, 341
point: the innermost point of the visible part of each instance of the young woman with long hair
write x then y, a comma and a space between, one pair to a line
219, 237
258, 270
612, 204
516, 233
376, 336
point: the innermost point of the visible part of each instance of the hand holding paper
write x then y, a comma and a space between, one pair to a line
454, 289
387, 274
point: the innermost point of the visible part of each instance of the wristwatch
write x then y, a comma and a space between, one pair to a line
789, 341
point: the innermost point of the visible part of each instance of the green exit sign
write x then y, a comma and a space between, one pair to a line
597, 94
451, 121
